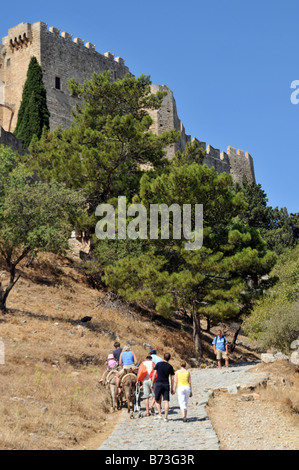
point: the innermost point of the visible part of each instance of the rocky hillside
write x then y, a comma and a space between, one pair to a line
50, 398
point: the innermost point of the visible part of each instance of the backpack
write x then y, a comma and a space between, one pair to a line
224, 340
152, 373
142, 372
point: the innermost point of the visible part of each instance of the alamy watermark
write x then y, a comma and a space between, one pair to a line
295, 94
186, 224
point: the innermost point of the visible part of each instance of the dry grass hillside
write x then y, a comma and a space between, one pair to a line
50, 398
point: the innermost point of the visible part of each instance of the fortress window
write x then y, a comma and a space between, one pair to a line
8, 63
57, 83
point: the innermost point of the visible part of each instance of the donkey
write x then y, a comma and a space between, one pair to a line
129, 382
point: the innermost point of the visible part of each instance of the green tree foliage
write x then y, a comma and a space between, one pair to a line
33, 114
257, 213
278, 228
34, 216
105, 151
275, 319
221, 279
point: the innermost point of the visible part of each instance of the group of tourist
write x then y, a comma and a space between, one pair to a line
158, 377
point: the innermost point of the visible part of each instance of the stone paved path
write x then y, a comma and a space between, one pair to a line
198, 434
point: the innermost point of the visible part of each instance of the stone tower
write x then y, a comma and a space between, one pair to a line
61, 59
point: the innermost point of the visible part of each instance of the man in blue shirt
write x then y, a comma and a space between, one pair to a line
220, 346
155, 358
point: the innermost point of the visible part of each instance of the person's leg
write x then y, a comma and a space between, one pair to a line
158, 405
158, 398
153, 405
183, 395
118, 379
181, 400
166, 409
146, 403
187, 395
219, 359
103, 376
146, 394
166, 399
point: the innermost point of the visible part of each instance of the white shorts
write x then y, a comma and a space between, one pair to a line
183, 396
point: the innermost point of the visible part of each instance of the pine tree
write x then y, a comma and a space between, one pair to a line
33, 114
104, 153
221, 280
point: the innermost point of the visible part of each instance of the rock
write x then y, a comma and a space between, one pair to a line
45, 409
232, 389
295, 344
267, 358
79, 330
195, 361
295, 358
85, 319
146, 346
279, 356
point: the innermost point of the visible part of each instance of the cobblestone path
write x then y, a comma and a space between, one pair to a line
148, 433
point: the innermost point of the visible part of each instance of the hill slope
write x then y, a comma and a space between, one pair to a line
49, 393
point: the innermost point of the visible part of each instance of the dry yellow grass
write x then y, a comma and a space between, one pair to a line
49, 393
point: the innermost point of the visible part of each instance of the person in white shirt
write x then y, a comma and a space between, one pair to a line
147, 383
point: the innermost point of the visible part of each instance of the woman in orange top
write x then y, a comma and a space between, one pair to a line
182, 382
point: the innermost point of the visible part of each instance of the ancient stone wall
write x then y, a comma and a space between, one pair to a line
241, 164
63, 58
22, 42
166, 118
235, 162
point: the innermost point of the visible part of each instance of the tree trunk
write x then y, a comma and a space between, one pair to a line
2, 300
233, 344
4, 292
196, 332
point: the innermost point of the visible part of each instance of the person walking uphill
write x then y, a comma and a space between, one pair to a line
220, 345
163, 370
145, 368
182, 382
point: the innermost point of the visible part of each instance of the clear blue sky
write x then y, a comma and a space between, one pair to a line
229, 63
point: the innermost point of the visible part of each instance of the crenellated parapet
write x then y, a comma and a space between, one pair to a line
241, 164
234, 161
82, 43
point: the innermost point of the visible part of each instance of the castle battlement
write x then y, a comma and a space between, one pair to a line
21, 36
234, 161
81, 43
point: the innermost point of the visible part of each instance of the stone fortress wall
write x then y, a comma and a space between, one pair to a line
63, 57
